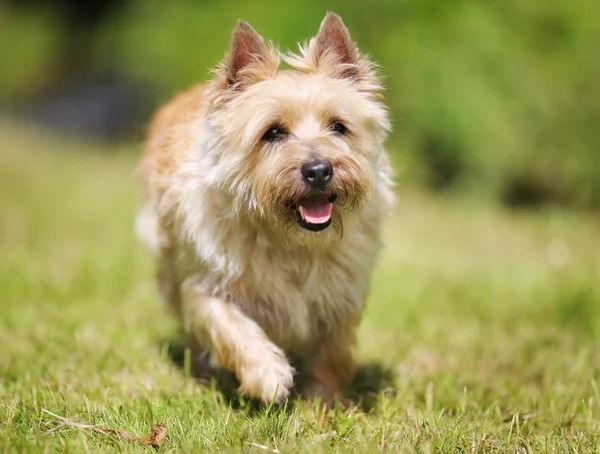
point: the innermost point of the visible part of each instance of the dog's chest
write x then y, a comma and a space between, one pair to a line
295, 296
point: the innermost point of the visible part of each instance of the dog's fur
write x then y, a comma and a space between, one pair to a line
249, 283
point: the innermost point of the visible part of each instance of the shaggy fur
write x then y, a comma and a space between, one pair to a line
249, 283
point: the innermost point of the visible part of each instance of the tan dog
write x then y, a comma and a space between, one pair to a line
264, 193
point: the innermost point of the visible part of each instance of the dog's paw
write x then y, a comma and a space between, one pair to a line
269, 381
327, 393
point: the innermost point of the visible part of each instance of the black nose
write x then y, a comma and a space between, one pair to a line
317, 173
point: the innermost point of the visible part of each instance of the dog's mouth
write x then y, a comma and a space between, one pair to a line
314, 212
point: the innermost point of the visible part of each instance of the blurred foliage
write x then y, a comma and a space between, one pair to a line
502, 97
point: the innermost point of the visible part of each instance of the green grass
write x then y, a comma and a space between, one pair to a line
480, 334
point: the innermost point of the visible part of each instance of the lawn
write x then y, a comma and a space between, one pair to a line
481, 333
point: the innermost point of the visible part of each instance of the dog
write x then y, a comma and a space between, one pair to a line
264, 192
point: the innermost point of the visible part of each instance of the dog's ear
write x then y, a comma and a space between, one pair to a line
247, 47
334, 38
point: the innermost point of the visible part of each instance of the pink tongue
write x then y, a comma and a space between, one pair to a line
317, 210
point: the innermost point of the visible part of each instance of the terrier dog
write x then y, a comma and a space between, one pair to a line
264, 193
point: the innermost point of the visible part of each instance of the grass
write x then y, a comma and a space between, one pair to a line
480, 334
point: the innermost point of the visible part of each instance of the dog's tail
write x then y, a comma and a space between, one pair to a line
147, 229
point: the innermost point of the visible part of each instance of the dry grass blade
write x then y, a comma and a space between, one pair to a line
264, 448
155, 438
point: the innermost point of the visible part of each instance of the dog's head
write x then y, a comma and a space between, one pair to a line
297, 149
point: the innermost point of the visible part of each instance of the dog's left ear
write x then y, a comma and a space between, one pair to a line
247, 47
334, 38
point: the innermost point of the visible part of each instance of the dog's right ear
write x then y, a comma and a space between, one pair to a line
247, 48
334, 39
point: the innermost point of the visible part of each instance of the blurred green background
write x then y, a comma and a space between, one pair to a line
497, 98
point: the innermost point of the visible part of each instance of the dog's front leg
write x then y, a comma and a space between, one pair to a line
238, 344
330, 364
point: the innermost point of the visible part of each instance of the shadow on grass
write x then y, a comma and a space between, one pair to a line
368, 382
363, 392
197, 366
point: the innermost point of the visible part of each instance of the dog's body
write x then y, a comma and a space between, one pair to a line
264, 193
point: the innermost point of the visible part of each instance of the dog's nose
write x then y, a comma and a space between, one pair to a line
317, 173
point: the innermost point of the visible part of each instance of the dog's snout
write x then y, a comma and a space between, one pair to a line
317, 173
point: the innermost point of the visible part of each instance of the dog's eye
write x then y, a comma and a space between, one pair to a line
338, 128
273, 134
